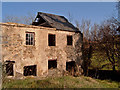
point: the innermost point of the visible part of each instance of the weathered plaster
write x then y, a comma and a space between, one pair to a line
15, 49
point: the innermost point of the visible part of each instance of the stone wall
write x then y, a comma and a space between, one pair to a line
15, 49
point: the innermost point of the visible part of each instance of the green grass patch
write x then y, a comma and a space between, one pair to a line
60, 82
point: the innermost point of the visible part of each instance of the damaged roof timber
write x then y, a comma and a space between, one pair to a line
55, 21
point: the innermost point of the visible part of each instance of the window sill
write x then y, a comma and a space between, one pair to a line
51, 46
29, 45
69, 45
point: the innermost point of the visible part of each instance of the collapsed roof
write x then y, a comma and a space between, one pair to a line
54, 21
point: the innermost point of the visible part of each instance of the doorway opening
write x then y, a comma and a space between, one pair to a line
70, 66
9, 68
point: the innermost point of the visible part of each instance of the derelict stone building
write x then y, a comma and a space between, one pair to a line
50, 43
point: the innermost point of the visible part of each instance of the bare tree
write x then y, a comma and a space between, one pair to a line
101, 42
94, 32
28, 19
109, 42
77, 24
87, 47
12, 19
70, 17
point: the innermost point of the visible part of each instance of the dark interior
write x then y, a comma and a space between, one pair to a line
9, 69
51, 40
70, 65
30, 70
69, 40
52, 64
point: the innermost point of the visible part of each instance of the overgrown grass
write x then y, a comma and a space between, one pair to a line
60, 82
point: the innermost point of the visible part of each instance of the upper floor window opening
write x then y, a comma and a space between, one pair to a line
30, 38
51, 40
69, 40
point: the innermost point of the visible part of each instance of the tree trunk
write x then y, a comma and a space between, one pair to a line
113, 67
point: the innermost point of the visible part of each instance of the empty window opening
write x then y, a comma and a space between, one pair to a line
30, 70
51, 40
69, 40
9, 68
30, 38
52, 64
70, 66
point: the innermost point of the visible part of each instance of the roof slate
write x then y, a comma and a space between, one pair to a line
58, 22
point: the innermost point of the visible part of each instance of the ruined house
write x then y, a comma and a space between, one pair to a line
50, 43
